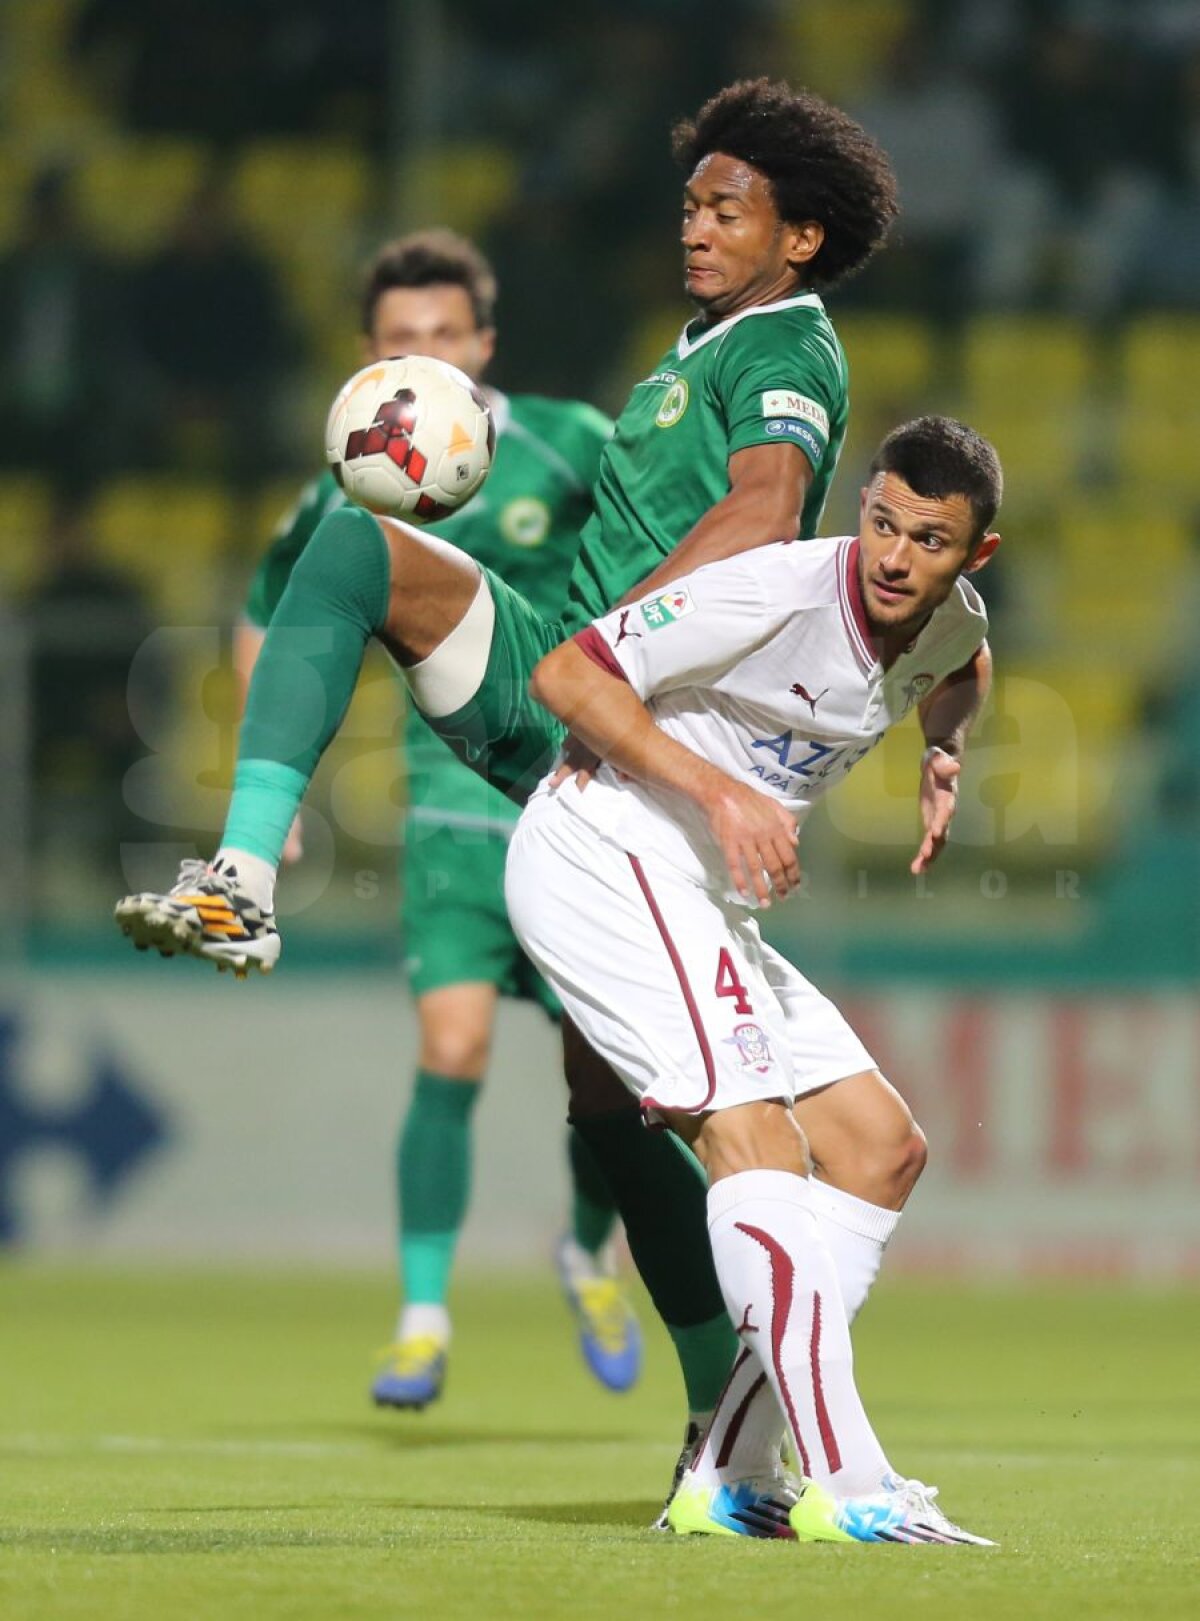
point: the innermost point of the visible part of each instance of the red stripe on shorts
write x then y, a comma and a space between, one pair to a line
681, 975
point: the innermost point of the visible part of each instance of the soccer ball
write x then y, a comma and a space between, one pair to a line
411, 437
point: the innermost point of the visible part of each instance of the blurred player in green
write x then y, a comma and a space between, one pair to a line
730, 443
433, 293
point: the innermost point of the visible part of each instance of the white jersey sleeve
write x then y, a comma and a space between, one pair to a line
697, 629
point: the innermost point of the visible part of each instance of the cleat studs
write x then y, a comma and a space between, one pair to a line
163, 952
139, 945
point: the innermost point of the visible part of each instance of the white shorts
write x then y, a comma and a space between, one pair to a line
674, 987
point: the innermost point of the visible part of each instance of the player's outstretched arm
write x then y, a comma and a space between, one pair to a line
756, 834
767, 487
947, 714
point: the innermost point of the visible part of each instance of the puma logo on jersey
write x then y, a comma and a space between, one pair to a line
802, 691
623, 629
746, 1326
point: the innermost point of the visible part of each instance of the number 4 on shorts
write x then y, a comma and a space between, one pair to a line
728, 983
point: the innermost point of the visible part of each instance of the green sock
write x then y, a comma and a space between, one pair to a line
305, 676
706, 1352
662, 1195
433, 1170
593, 1213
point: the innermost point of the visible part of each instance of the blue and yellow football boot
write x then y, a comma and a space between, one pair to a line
412, 1373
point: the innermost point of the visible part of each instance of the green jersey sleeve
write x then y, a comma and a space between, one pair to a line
295, 531
791, 391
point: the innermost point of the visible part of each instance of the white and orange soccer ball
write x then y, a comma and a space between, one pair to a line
410, 437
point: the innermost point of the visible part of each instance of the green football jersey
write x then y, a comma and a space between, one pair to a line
769, 374
524, 524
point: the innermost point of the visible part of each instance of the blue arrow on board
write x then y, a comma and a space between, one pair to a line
111, 1129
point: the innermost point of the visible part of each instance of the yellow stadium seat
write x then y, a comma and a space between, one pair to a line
296, 196
131, 196
199, 746
465, 185
45, 98
172, 537
16, 171
1040, 451
1144, 628
25, 508
1113, 535
875, 809
836, 46
364, 769
892, 359
1126, 585
271, 507
653, 335
1155, 451
1160, 362
1025, 363
1101, 699
1040, 781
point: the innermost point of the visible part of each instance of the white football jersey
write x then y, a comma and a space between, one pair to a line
762, 664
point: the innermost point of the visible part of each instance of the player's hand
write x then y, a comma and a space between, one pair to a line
758, 840
576, 761
939, 801
293, 845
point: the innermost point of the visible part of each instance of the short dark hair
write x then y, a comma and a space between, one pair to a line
435, 258
821, 165
938, 457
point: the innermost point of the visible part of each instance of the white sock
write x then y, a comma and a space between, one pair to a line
781, 1292
254, 875
417, 1322
746, 1430
581, 1266
856, 1234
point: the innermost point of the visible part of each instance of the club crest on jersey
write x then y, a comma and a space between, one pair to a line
525, 521
916, 689
754, 1050
665, 610
675, 403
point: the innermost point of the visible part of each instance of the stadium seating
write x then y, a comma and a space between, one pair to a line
1026, 383
25, 506
839, 47
130, 194
465, 185
892, 358
172, 537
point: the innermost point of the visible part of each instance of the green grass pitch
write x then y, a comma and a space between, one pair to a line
180, 1445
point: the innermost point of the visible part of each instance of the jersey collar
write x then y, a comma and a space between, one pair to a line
687, 346
854, 612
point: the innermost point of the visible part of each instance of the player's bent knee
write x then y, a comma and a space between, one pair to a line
458, 1055
913, 1155
893, 1167
439, 619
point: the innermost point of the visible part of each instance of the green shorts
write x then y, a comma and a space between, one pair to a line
502, 734
456, 928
